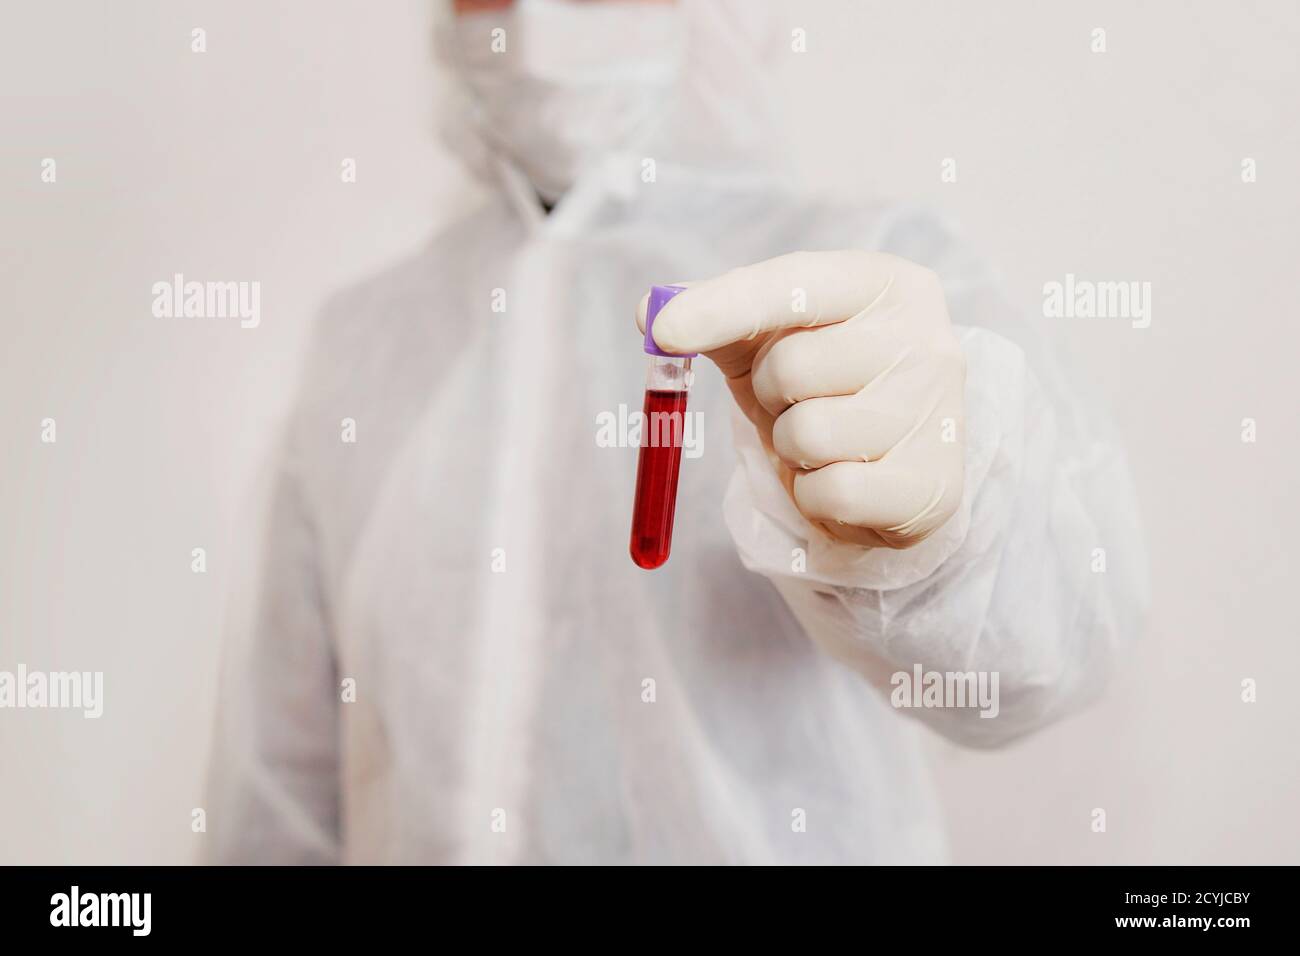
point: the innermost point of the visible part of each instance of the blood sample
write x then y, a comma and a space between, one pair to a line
668, 378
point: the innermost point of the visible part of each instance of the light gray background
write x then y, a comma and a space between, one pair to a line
1123, 165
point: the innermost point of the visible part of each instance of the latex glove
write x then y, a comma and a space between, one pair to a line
847, 364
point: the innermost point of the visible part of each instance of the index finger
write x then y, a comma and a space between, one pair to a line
798, 290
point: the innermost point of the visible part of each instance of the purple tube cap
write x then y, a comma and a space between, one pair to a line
660, 295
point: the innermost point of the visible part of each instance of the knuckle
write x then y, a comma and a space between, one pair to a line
832, 492
949, 357
780, 371
910, 273
927, 276
794, 437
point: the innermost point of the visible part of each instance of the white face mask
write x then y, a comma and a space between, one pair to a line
557, 84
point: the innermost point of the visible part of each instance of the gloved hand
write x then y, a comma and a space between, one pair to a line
847, 364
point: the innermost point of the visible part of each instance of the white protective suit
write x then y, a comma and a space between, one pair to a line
463, 565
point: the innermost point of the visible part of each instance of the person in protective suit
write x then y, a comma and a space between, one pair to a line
447, 654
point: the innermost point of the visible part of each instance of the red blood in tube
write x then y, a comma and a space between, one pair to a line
656, 477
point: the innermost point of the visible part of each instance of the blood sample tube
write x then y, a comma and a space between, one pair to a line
668, 378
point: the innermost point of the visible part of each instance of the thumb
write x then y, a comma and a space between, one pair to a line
734, 359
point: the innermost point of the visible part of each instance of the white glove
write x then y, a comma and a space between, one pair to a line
847, 364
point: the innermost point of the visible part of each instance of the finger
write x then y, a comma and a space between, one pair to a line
904, 404
838, 359
901, 505
802, 289
818, 431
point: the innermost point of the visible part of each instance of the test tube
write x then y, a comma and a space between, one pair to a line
668, 378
